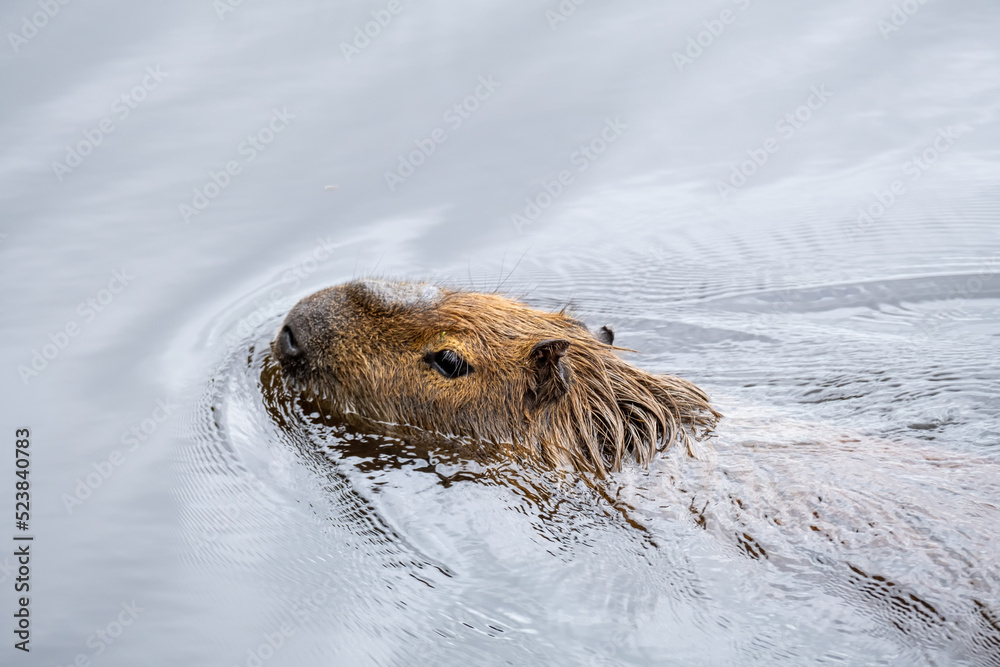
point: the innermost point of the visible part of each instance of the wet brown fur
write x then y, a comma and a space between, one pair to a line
542, 385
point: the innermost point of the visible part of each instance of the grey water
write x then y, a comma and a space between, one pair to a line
796, 206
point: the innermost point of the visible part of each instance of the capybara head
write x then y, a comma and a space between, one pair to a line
485, 368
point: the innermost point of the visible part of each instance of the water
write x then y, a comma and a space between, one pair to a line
839, 298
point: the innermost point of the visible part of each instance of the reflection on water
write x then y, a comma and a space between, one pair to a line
796, 541
841, 303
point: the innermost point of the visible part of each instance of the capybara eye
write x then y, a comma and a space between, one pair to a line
448, 363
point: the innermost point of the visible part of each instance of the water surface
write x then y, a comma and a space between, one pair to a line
838, 296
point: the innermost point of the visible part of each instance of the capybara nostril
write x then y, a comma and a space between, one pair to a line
287, 343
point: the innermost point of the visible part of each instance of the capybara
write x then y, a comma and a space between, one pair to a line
487, 369
888, 522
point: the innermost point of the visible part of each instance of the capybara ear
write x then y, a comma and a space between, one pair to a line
606, 335
549, 374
